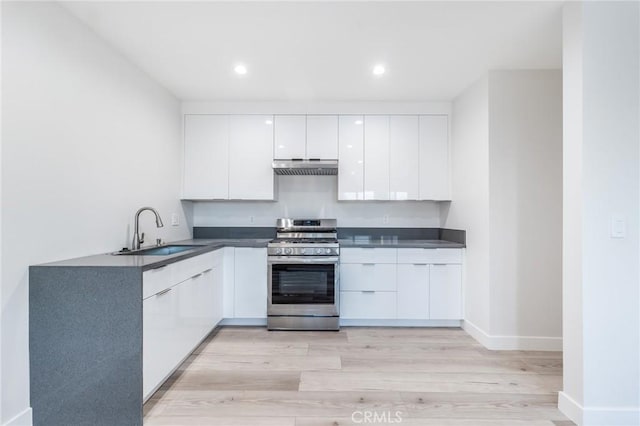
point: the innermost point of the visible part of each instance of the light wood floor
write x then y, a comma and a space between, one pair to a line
247, 376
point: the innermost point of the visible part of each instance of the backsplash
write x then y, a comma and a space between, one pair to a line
316, 197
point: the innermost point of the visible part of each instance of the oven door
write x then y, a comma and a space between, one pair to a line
303, 286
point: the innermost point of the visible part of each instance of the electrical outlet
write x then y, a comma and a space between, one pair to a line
385, 219
618, 227
175, 219
252, 219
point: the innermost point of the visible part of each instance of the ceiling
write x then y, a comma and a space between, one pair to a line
325, 51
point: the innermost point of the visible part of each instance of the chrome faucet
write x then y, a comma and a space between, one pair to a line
137, 238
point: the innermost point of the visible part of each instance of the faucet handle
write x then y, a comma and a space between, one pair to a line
158, 241
141, 238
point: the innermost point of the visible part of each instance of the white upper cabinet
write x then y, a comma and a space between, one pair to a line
206, 157
322, 137
404, 157
434, 157
290, 137
376, 157
351, 157
250, 156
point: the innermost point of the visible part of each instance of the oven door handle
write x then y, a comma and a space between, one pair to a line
303, 260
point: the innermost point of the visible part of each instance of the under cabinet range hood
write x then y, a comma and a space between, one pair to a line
305, 167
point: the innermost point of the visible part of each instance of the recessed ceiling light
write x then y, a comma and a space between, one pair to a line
240, 69
268, 122
378, 70
358, 122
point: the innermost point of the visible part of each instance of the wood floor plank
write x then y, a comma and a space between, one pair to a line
277, 403
383, 351
519, 354
256, 348
436, 365
219, 421
408, 336
208, 361
466, 405
428, 382
236, 380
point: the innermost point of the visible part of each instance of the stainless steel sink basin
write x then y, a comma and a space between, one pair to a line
159, 251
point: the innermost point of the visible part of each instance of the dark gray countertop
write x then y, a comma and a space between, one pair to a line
151, 262
207, 245
391, 242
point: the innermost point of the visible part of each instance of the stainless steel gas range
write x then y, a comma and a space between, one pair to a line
303, 277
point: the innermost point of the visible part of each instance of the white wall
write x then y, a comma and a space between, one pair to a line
316, 196
525, 199
469, 209
572, 204
507, 194
602, 57
87, 139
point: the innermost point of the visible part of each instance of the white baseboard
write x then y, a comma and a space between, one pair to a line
570, 408
512, 343
25, 418
597, 416
398, 323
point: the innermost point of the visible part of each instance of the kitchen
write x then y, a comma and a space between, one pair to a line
99, 107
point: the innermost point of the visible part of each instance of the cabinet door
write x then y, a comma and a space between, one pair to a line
413, 291
351, 157
445, 292
206, 157
250, 283
322, 137
161, 347
290, 137
404, 157
218, 287
376, 157
228, 291
251, 174
434, 157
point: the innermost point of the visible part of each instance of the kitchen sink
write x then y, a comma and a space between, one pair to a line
159, 251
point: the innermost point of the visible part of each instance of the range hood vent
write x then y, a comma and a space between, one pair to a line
305, 167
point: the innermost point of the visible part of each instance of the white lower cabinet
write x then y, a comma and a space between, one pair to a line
445, 291
413, 291
178, 314
250, 287
403, 284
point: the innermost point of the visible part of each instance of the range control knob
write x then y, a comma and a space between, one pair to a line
278, 251
329, 251
303, 251
288, 250
320, 251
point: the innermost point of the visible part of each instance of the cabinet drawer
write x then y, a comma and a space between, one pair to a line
158, 279
367, 305
187, 268
368, 255
419, 255
367, 277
